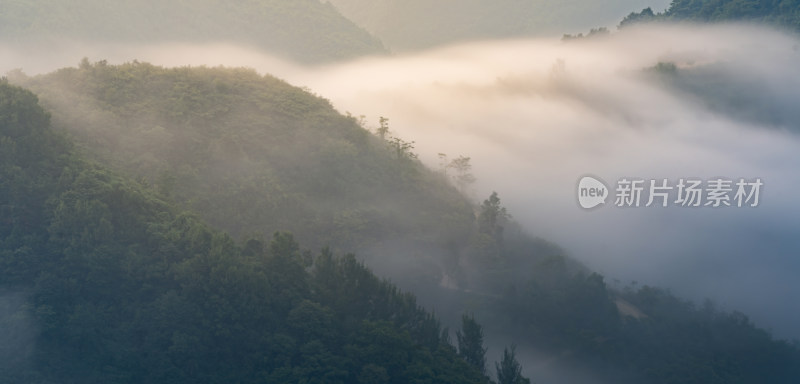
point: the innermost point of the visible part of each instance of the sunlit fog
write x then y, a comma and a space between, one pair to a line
536, 115
665, 101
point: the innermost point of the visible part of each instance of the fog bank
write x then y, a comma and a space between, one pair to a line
536, 115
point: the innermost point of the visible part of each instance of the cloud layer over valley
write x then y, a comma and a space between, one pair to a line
536, 115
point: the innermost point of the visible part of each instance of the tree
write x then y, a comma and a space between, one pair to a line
444, 164
383, 129
646, 15
470, 343
463, 177
492, 216
403, 149
509, 371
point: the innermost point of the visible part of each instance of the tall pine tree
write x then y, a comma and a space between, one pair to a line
470, 343
509, 371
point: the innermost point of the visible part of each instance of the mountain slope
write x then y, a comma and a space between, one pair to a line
253, 155
783, 13
102, 281
304, 30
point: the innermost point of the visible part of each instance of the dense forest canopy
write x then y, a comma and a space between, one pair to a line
253, 154
780, 13
104, 281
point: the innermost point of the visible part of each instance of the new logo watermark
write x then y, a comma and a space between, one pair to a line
684, 192
591, 192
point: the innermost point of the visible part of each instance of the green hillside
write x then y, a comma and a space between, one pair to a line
253, 155
780, 13
101, 281
305, 30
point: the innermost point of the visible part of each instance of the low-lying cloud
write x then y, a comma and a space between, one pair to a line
537, 115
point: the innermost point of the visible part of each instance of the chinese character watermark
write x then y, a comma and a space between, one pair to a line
685, 192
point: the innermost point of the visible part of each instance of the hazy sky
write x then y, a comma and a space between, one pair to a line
536, 115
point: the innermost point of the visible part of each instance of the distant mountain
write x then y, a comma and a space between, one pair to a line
781, 13
304, 30
414, 24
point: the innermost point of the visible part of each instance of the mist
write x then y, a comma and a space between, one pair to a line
414, 24
535, 115
17, 330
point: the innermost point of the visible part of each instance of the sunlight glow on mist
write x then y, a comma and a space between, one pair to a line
535, 115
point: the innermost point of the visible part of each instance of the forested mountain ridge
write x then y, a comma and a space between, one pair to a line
304, 30
102, 281
253, 154
780, 13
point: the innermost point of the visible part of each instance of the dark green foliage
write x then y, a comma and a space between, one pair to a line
305, 30
565, 308
732, 349
669, 341
781, 13
509, 371
492, 217
646, 15
594, 32
252, 154
118, 286
470, 343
